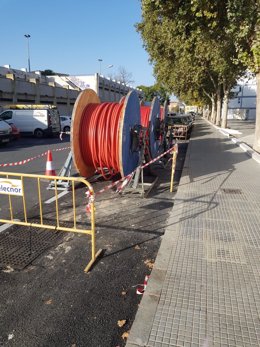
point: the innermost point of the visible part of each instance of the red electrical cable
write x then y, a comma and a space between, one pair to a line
161, 113
145, 119
145, 113
99, 137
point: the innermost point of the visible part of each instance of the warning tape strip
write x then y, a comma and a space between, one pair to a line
64, 132
126, 179
25, 161
175, 147
141, 289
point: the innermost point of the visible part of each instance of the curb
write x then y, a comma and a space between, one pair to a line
243, 145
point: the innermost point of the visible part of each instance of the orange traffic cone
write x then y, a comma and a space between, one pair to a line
49, 169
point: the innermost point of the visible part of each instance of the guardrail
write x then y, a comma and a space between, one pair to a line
13, 184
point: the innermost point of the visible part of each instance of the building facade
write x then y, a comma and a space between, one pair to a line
21, 87
243, 103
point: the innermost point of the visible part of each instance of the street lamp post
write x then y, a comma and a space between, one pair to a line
111, 74
28, 47
100, 61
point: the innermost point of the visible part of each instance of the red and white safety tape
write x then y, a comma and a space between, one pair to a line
91, 197
126, 179
142, 287
64, 132
175, 147
25, 161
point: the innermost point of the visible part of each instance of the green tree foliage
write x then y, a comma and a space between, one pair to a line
244, 25
48, 72
156, 90
244, 19
195, 46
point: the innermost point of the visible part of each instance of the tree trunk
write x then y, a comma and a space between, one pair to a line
224, 110
257, 120
213, 111
204, 112
218, 107
208, 112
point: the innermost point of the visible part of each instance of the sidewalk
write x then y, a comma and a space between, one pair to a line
204, 290
245, 128
242, 133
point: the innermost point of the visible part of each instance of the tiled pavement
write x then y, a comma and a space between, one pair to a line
204, 289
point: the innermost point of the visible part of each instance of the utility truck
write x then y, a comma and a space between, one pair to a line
37, 120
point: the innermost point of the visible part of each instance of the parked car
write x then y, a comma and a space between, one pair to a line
5, 132
179, 120
190, 119
65, 122
178, 127
192, 114
37, 120
15, 132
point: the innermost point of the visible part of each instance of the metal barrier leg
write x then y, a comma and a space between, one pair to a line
174, 158
94, 254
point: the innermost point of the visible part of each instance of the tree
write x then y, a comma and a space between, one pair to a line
124, 76
48, 72
193, 49
156, 90
244, 22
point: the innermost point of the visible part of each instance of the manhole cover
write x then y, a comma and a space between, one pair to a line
223, 249
230, 254
231, 191
19, 246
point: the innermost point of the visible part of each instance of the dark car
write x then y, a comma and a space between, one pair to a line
178, 127
192, 114
179, 120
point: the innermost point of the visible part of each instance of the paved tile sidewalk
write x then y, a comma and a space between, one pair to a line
245, 128
205, 286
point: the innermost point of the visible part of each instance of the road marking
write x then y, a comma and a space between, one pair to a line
54, 198
6, 226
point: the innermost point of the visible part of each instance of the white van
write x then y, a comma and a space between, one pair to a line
37, 120
5, 132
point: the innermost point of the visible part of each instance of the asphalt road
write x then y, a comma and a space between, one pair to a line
25, 148
52, 302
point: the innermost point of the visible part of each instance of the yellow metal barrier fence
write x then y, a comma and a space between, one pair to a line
12, 184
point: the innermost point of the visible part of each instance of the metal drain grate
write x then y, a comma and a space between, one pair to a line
231, 191
223, 254
229, 254
15, 248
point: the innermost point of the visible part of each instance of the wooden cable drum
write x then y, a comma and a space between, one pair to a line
150, 118
103, 136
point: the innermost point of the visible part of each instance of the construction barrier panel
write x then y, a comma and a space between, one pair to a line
13, 186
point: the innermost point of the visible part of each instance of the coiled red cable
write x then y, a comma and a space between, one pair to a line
99, 137
145, 118
145, 113
161, 113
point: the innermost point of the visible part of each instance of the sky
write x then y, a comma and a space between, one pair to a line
69, 36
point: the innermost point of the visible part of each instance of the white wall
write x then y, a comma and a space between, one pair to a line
244, 102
